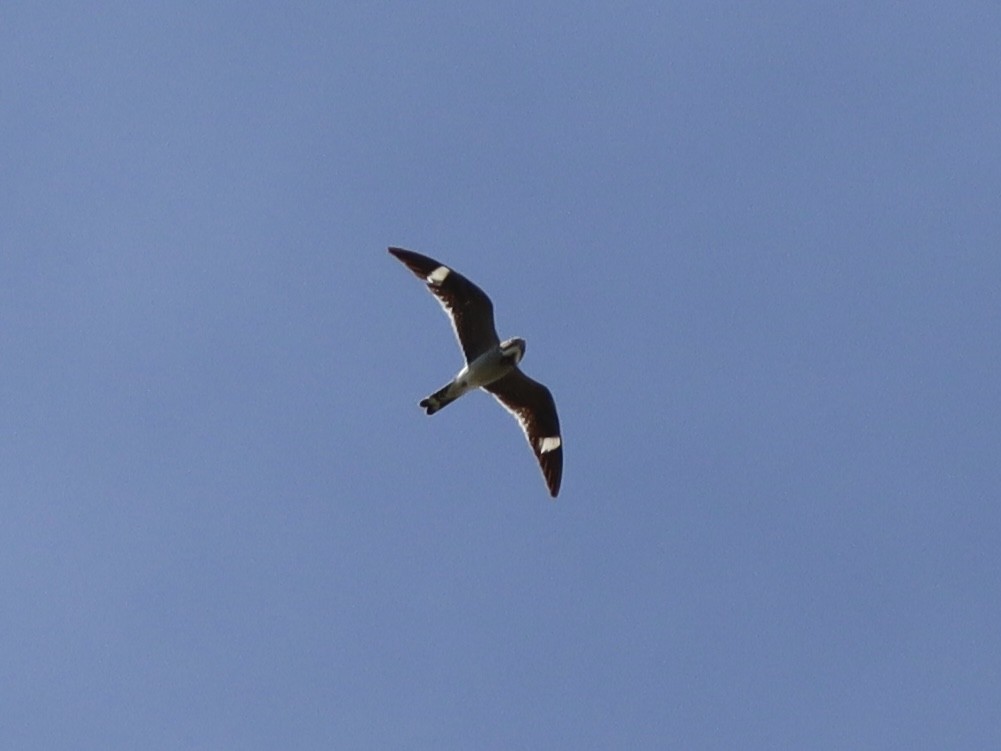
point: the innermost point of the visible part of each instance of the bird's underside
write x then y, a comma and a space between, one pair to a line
490, 364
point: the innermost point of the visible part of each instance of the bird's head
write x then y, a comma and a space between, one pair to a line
512, 350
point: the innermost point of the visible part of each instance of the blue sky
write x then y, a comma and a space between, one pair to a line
755, 251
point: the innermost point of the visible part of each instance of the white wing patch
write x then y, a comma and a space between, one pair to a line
550, 443
437, 276
547, 444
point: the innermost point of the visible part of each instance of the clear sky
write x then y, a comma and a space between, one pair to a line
754, 248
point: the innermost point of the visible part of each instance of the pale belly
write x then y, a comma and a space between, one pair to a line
482, 371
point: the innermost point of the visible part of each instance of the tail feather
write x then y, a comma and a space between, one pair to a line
437, 400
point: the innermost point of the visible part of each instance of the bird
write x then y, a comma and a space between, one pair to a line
490, 364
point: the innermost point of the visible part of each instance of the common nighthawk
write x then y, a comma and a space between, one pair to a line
491, 364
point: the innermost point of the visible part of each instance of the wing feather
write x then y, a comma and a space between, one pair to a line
533, 407
467, 306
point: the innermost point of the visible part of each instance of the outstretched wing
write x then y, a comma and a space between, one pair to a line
468, 307
532, 405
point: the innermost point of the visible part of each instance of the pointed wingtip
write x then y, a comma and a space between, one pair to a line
553, 482
407, 257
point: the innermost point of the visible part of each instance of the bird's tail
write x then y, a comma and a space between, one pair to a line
440, 398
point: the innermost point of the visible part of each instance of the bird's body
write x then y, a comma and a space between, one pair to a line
490, 363
486, 368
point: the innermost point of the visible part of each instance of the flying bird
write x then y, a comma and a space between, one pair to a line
491, 364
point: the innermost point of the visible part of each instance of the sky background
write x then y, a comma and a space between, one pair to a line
754, 248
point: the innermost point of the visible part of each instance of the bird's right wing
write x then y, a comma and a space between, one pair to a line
468, 307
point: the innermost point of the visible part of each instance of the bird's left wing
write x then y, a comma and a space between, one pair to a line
532, 405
